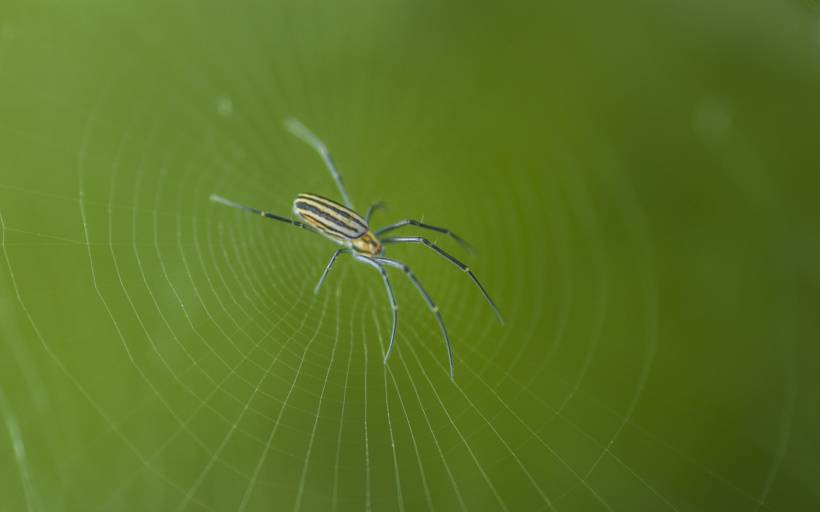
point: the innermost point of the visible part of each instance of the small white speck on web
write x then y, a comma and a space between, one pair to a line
224, 106
712, 119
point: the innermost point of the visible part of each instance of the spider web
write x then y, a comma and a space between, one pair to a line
165, 353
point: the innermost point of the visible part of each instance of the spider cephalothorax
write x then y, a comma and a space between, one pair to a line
368, 244
341, 224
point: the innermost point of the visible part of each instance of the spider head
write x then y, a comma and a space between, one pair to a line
368, 244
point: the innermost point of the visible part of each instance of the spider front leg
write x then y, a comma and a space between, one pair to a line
432, 305
411, 222
393, 305
451, 259
328, 267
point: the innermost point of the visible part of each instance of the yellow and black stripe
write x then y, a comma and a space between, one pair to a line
329, 217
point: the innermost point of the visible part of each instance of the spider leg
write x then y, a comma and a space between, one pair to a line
298, 129
373, 207
432, 305
328, 267
393, 305
221, 200
411, 222
451, 259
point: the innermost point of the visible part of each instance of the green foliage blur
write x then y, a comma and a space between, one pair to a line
640, 181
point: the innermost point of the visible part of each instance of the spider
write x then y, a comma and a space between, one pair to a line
341, 224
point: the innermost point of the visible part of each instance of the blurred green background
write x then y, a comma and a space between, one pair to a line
639, 179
